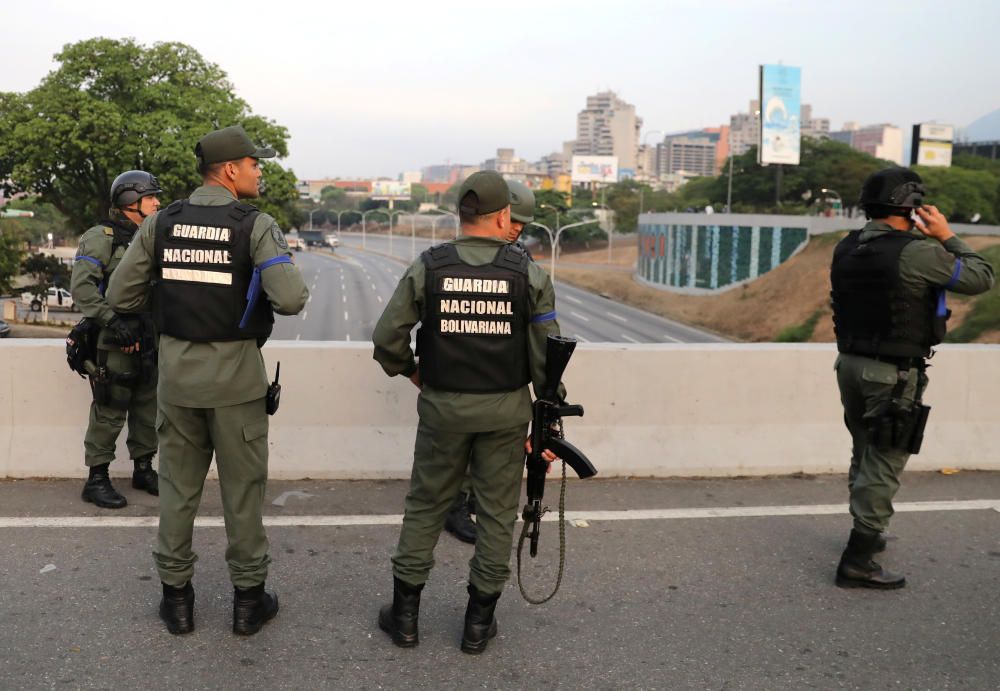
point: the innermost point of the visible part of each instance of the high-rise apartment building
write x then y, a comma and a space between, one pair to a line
815, 128
608, 126
881, 141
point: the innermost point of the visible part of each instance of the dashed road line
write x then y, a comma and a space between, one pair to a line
580, 316
618, 317
629, 338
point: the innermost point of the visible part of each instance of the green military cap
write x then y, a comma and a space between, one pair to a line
229, 144
483, 193
522, 202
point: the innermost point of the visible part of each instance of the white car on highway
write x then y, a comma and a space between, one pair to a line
54, 297
332, 241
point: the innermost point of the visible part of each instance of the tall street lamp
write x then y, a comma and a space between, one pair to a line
554, 239
391, 213
364, 216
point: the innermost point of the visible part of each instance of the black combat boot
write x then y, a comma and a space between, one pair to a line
177, 608
880, 544
480, 625
144, 477
399, 619
857, 570
252, 608
459, 521
99, 490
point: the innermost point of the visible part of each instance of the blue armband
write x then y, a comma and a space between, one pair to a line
547, 317
253, 292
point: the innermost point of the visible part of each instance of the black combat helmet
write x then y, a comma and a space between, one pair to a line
893, 191
131, 186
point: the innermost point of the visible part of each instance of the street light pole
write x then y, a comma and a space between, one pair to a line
554, 239
364, 217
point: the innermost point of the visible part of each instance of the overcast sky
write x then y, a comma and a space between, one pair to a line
375, 88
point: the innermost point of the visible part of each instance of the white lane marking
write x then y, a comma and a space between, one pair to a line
347, 337
345, 298
345, 316
618, 317
580, 316
671, 339
629, 338
298, 337
379, 298
373, 287
572, 299
309, 300
396, 519
580, 338
304, 314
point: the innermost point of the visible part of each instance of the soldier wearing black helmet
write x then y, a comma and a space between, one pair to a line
124, 379
889, 281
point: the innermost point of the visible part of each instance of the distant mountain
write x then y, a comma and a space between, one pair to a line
985, 129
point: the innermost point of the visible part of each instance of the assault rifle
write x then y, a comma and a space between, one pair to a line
547, 433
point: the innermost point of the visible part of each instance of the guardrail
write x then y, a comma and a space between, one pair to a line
651, 410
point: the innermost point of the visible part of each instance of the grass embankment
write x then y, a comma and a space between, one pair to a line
790, 303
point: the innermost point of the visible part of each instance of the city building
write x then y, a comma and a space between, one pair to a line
692, 153
608, 126
314, 188
506, 163
814, 128
449, 172
989, 150
881, 141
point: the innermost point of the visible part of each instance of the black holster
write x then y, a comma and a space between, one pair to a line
901, 423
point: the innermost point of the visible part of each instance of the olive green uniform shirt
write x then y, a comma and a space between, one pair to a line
928, 262
464, 412
217, 373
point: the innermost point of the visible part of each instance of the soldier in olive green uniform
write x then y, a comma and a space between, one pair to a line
210, 258
459, 521
124, 383
485, 311
889, 282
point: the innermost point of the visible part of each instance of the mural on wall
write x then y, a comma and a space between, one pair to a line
713, 257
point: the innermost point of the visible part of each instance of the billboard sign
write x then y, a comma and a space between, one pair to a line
932, 145
594, 169
780, 105
390, 189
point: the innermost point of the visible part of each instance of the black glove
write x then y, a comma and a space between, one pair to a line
123, 333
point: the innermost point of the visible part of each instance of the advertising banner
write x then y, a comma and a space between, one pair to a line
931, 145
390, 189
594, 169
780, 125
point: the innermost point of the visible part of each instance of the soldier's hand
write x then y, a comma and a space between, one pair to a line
547, 454
932, 223
122, 335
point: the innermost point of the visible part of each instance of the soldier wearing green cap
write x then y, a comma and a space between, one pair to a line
219, 270
889, 281
459, 521
124, 375
485, 311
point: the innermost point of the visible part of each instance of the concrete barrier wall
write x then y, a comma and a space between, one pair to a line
651, 410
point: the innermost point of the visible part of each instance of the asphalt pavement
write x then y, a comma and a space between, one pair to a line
350, 286
717, 584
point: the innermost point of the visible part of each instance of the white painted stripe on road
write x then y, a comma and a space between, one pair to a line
347, 337
629, 338
310, 299
618, 317
305, 313
346, 317
671, 339
578, 301
298, 337
580, 316
345, 298
395, 519
580, 338
379, 298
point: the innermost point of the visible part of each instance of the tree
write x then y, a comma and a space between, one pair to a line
115, 105
11, 253
46, 270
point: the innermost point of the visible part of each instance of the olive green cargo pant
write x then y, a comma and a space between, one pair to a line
495, 462
188, 436
106, 422
865, 387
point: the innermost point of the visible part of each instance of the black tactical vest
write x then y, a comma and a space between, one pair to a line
474, 336
873, 312
203, 269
